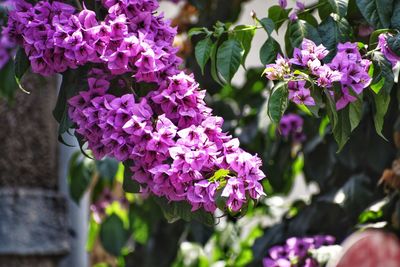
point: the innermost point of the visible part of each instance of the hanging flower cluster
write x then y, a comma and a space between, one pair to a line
130, 39
291, 126
296, 252
173, 144
347, 69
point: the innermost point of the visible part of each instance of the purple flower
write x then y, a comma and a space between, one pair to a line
276, 263
291, 125
300, 5
387, 52
299, 94
283, 3
298, 247
235, 192
345, 99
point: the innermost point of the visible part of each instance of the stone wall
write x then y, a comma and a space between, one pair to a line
33, 223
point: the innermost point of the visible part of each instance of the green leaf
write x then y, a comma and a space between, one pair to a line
129, 185
278, 15
382, 71
203, 52
229, 57
376, 87
113, 235
196, 31
381, 100
355, 113
331, 109
79, 176
395, 22
308, 17
269, 51
268, 25
220, 174
278, 102
8, 84
333, 32
394, 43
213, 57
73, 82
300, 30
338, 6
373, 39
21, 64
377, 13
342, 129
244, 35
173, 211
107, 168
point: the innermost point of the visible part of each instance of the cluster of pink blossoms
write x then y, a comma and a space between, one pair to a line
130, 39
169, 137
347, 68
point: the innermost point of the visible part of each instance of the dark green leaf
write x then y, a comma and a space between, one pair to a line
278, 102
107, 168
8, 84
333, 32
340, 6
113, 235
174, 211
381, 100
269, 51
244, 35
395, 17
355, 113
300, 30
394, 43
213, 57
229, 57
373, 39
268, 25
79, 176
130, 185
197, 31
21, 64
324, 9
342, 129
203, 52
278, 15
382, 70
377, 13
331, 109
73, 82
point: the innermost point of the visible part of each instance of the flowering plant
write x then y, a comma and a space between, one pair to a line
324, 70
126, 97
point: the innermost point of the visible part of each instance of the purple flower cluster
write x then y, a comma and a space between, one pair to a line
387, 52
354, 72
174, 142
295, 253
169, 138
347, 69
291, 126
130, 39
